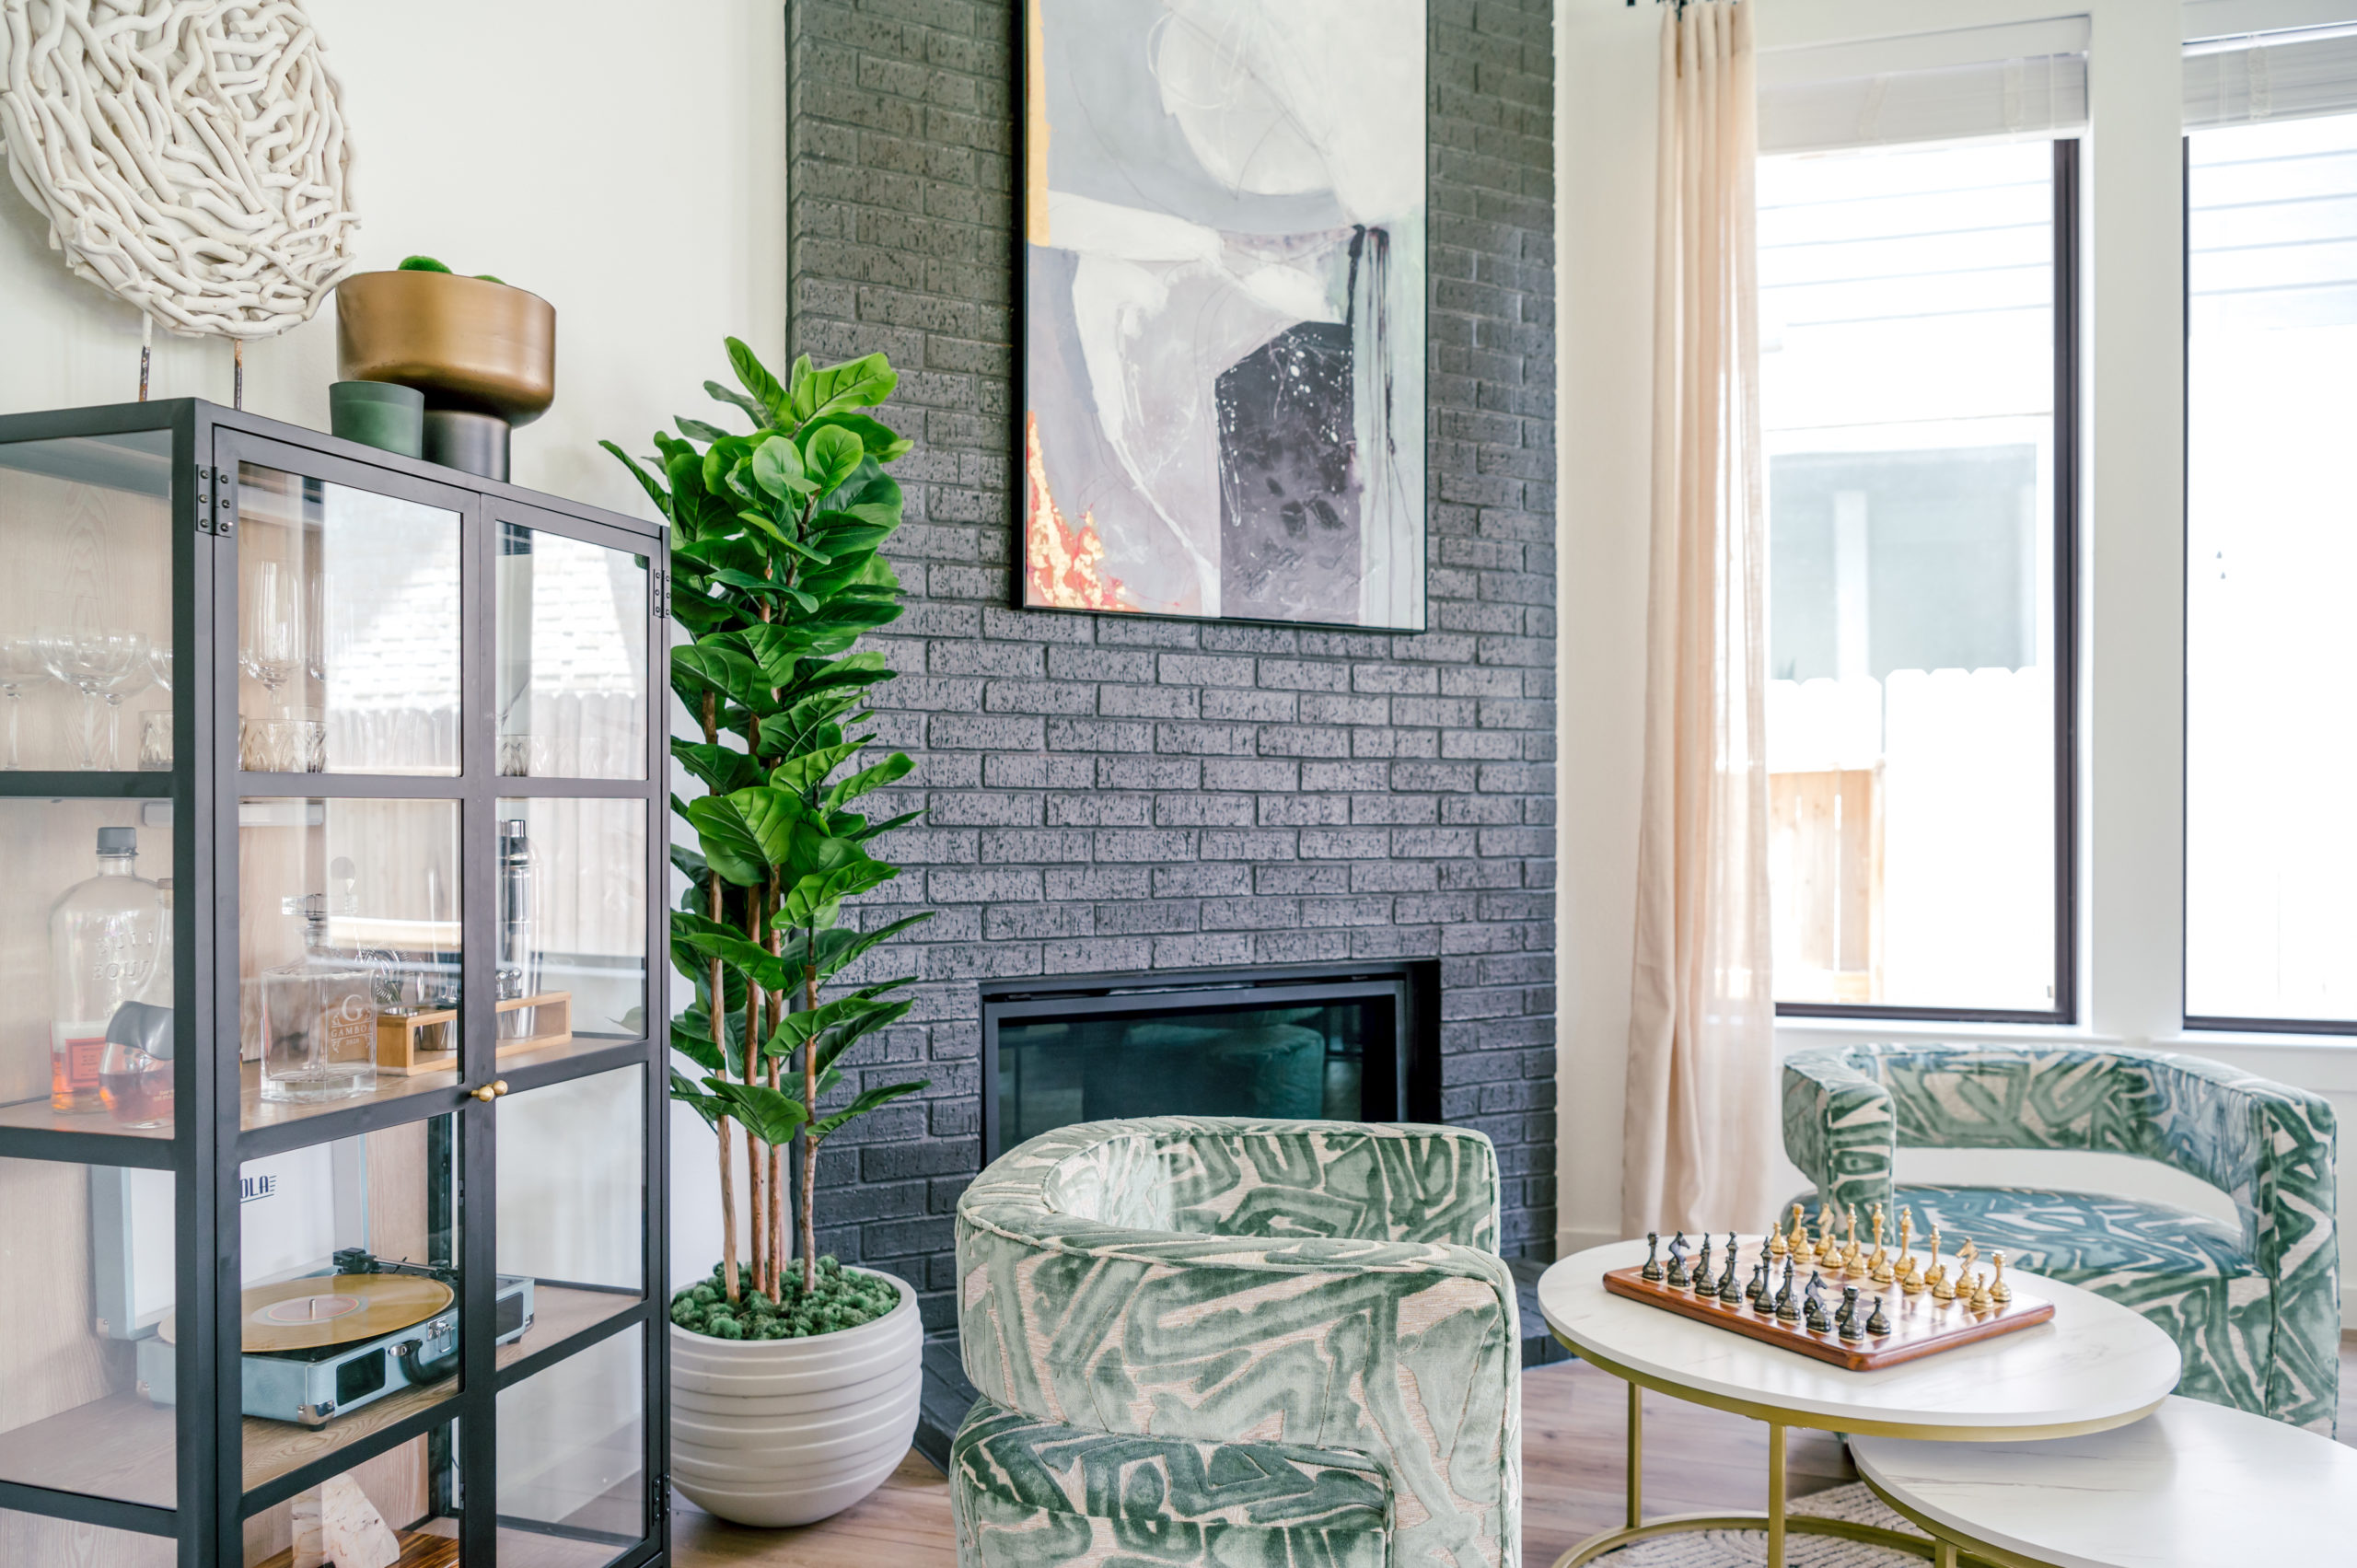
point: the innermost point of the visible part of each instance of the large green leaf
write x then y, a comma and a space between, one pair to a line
856, 383
860, 1106
719, 768
747, 833
697, 430
778, 468
646, 481
729, 395
830, 456
806, 772
838, 947
765, 969
767, 1113
684, 1090
814, 899
760, 385
712, 664
883, 442
890, 769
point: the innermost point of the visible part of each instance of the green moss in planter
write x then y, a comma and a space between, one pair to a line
840, 1300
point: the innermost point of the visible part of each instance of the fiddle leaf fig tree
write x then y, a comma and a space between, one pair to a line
775, 535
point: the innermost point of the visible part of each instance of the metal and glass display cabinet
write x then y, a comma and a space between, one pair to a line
331, 1114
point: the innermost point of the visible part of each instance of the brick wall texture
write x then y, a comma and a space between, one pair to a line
1109, 793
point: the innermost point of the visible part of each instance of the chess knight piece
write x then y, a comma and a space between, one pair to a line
1651, 1273
1677, 1279
1878, 1325
1998, 1291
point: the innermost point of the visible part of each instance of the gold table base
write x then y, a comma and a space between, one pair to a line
1778, 1522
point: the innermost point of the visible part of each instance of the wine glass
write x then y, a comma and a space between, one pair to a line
21, 665
159, 664
98, 664
272, 649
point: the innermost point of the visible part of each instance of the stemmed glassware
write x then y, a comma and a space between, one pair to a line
110, 665
21, 665
271, 649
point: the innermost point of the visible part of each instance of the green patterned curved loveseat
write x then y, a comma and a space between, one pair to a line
1215, 1341
2255, 1308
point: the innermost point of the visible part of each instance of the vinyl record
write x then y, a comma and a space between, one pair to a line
338, 1309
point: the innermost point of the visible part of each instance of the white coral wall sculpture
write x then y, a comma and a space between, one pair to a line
189, 154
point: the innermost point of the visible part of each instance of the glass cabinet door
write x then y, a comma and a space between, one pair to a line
571, 668
86, 603
571, 1222
348, 628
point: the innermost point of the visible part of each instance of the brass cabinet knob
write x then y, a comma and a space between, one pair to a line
492, 1091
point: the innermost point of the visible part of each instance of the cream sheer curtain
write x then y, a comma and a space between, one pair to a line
1699, 1125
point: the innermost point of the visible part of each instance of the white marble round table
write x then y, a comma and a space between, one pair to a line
2093, 1366
2193, 1486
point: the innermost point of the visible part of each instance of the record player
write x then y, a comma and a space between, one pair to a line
322, 1345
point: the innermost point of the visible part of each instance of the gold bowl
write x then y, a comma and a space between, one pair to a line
467, 343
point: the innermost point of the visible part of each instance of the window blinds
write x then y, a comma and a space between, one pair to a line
2281, 76
1973, 83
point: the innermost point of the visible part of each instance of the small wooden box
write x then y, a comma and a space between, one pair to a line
410, 1043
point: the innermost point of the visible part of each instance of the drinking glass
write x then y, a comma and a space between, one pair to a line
109, 665
271, 648
159, 664
20, 665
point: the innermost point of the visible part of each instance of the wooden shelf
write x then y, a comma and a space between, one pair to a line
120, 1446
419, 1549
558, 1313
256, 1112
37, 1115
274, 1447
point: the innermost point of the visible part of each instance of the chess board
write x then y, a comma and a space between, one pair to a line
1919, 1325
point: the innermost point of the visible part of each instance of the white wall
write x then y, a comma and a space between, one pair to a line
624, 161
2130, 870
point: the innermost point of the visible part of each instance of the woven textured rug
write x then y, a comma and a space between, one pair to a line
1748, 1548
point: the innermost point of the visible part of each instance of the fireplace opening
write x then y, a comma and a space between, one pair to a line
1338, 1042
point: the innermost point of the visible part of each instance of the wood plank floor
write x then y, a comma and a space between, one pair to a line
1572, 1422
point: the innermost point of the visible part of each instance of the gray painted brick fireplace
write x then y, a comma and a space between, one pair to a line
1116, 794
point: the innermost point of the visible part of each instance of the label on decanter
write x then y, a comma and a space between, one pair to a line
351, 1027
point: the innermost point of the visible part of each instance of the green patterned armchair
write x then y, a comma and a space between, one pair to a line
1215, 1341
2255, 1306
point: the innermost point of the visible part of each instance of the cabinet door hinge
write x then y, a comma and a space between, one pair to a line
662, 587
662, 1499
215, 512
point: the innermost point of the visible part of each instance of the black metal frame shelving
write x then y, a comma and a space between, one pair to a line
209, 1142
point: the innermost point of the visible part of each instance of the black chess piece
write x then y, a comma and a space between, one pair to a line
1849, 1307
1852, 1326
1814, 1320
1702, 1265
1878, 1325
1788, 1310
1758, 1289
1809, 1293
1651, 1273
1677, 1276
1729, 1291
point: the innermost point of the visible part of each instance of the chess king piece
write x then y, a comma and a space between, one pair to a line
1651, 1273
1878, 1325
1678, 1278
1998, 1291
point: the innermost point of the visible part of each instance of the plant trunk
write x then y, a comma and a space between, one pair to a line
716, 1013
765, 1265
775, 1216
810, 1139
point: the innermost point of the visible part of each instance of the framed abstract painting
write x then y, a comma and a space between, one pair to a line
1224, 299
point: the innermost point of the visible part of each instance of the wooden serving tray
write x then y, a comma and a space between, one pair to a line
1919, 1325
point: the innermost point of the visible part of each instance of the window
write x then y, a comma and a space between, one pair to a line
2271, 537
1920, 502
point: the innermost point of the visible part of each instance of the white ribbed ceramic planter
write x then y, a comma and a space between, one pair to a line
786, 1432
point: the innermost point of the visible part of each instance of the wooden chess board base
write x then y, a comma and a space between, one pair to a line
1919, 1325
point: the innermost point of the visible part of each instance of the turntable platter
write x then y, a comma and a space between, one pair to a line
331, 1309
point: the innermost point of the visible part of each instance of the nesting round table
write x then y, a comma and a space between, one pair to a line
2193, 1486
2096, 1365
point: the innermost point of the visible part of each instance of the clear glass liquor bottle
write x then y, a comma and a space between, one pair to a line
104, 941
